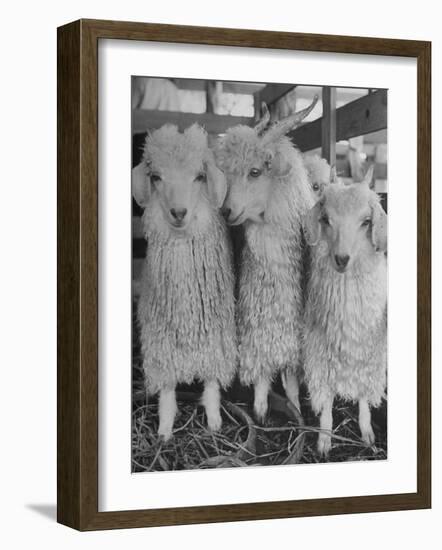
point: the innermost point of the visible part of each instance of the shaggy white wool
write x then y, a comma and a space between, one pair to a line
166, 146
186, 306
346, 329
270, 304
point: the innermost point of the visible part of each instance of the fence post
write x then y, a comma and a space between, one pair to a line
329, 124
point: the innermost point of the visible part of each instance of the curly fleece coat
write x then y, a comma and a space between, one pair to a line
270, 304
186, 306
346, 323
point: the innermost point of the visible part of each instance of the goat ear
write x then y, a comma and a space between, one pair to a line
280, 166
141, 187
312, 224
379, 227
216, 182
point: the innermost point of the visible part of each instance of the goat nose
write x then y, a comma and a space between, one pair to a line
178, 213
226, 212
342, 260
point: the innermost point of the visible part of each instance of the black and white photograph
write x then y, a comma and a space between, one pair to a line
259, 274
218, 281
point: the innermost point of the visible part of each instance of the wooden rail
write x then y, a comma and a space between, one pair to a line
269, 95
248, 88
362, 116
328, 124
272, 92
146, 119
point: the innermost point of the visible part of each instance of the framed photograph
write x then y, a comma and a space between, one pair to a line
243, 275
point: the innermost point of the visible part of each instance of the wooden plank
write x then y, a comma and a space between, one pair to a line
328, 124
256, 106
145, 119
272, 92
139, 248
245, 88
210, 88
308, 136
362, 116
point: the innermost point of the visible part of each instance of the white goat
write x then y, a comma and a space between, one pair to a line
320, 174
186, 306
268, 192
345, 318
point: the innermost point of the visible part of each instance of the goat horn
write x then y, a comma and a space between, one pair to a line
290, 123
369, 176
264, 120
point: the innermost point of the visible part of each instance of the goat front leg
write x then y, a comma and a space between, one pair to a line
326, 424
211, 400
167, 409
290, 383
365, 422
260, 405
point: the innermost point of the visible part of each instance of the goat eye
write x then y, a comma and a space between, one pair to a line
366, 222
201, 177
255, 172
324, 219
315, 187
155, 178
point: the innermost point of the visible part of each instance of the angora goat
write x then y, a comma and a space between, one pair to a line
268, 192
346, 319
319, 173
186, 306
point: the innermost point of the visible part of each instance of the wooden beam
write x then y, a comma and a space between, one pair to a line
246, 88
145, 119
210, 85
308, 136
328, 124
272, 92
139, 248
362, 116
256, 106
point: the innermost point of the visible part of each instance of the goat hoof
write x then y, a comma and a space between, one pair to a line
214, 423
368, 436
261, 413
165, 433
324, 445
